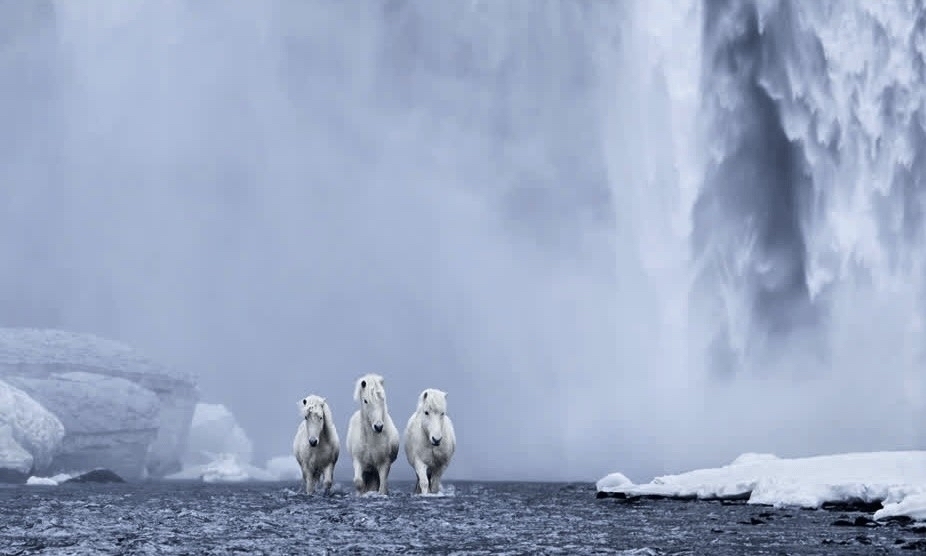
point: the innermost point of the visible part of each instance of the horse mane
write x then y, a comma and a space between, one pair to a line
431, 398
373, 381
329, 423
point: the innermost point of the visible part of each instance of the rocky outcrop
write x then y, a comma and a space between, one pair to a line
119, 409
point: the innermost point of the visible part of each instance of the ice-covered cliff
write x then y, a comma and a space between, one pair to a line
29, 434
118, 409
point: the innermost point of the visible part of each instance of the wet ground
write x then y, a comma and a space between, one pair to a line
473, 518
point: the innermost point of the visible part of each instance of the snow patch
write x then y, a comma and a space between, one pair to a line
41, 481
896, 479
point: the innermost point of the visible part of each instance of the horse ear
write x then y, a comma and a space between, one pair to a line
363, 384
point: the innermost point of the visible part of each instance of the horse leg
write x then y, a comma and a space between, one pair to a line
383, 476
370, 480
435, 480
328, 477
313, 480
305, 478
421, 472
358, 477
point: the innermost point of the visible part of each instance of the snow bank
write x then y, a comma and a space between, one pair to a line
896, 479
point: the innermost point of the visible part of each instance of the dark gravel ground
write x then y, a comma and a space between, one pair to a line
473, 518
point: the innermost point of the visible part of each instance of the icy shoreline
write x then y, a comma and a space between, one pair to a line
894, 483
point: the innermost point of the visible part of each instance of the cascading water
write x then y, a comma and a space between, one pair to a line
635, 235
806, 235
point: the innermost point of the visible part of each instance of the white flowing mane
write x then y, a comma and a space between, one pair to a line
372, 383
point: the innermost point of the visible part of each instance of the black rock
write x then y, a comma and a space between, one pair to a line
860, 521
901, 520
853, 506
915, 545
602, 494
753, 521
97, 476
12, 477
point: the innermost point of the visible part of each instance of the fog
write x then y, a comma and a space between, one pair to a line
509, 201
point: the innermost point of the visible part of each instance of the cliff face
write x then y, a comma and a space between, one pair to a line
119, 410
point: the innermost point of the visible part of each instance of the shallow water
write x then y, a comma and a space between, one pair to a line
475, 518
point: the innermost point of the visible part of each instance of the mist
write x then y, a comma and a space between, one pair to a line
516, 202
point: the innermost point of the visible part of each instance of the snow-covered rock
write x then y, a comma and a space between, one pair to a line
897, 480
119, 409
29, 434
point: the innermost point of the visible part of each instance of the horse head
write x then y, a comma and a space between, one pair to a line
432, 408
371, 395
313, 411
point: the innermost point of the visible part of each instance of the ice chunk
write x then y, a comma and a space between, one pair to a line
29, 434
13, 456
614, 480
109, 421
130, 414
225, 468
896, 479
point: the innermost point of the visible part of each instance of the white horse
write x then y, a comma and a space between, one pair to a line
430, 440
372, 438
316, 445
